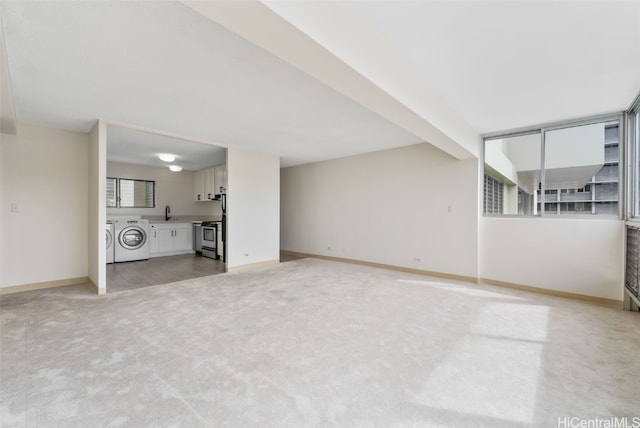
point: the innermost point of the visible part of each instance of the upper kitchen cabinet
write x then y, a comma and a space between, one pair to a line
207, 182
221, 178
198, 186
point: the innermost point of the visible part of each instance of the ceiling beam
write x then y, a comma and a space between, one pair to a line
264, 27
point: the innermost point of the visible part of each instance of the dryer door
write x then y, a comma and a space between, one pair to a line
132, 238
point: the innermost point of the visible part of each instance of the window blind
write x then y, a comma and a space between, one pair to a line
493, 195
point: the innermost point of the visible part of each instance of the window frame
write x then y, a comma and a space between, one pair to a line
632, 190
620, 117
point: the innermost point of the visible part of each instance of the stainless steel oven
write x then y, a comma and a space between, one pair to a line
210, 239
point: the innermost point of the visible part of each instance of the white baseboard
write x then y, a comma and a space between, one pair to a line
574, 296
253, 265
44, 285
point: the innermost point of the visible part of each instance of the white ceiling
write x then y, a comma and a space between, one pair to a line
164, 66
505, 65
126, 145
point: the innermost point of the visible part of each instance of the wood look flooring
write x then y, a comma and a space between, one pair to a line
288, 257
163, 270
160, 270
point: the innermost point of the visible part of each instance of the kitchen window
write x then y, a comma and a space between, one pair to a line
112, 196
565, 169
130, 193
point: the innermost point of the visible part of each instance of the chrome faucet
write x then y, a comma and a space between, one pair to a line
167, 211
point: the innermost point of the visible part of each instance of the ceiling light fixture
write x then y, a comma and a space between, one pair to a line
175, 168
167, 157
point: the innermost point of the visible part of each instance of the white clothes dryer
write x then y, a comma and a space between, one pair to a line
110, 241
131, 239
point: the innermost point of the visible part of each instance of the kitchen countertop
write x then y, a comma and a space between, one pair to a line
181, 219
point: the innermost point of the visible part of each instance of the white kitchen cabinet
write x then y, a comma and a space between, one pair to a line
154, 242
170, 239
182, 237
207, 182
165, 239
198, 186
220, 177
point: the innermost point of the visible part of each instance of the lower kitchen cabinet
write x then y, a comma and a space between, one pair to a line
170, 239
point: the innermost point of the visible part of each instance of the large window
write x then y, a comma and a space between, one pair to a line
572, 169
515, 163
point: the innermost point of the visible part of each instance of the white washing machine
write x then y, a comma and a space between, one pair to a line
110, 241
131, 239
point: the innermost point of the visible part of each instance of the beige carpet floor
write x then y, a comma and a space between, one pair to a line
313, 343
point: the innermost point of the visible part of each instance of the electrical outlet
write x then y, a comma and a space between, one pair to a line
15, 208
417, 259
329, 248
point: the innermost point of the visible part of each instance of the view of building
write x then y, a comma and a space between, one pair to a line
589, 186
598, 196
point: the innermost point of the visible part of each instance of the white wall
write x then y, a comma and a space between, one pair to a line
583, 256
386, 207
172, 188
96, 241
45, 172
392, 206
253, 208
